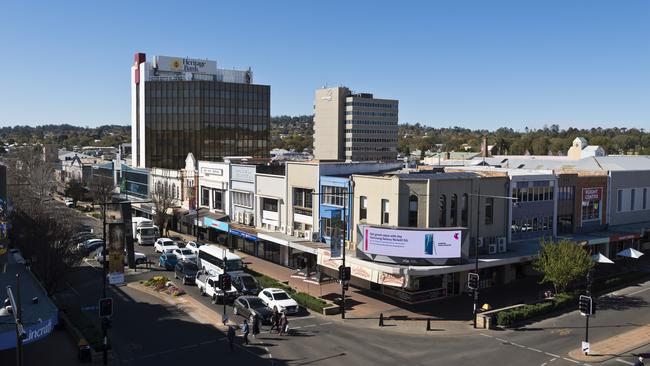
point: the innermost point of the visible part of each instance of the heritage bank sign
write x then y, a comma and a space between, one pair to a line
179, 64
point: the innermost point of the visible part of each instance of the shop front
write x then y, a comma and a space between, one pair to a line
217, 230
620, 242
244, 239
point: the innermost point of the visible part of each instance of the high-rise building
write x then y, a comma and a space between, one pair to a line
354, 127
182, 105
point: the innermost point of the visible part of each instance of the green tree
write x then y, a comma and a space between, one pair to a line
75, 190
562, 263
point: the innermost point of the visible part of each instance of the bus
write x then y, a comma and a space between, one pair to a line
213, 259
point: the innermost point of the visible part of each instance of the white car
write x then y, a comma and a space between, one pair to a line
185, 254
140, 258
69, 202
164, 244
193, 246
276, 298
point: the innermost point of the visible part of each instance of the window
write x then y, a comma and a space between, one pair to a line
591, 210
463, 210
244, 199
619, 200
205, 196
384, 212
302, 198
442, 211
454, 210
334, 196
413, 211
269, 204
363, 208
645, 198
326, 227
632, 199
489, 211
217, 199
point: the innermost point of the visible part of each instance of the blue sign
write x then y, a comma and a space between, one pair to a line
34, 332
244, 234
216, 224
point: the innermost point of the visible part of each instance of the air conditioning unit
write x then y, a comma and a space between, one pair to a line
289, 230
240, 217
251, 220
307, 234
315, 236
284, 229
501, 243
492, 248
480, 241
274, 228
247, 218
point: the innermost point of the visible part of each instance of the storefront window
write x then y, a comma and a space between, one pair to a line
413, 211
205, 196
217, 199
590, 210
269, 204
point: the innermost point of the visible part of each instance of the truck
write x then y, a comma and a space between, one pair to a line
144, 231
208, 284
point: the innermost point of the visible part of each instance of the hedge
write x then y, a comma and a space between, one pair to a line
89, 329
512, 316
305, 300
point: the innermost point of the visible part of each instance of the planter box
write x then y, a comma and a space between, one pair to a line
331, 310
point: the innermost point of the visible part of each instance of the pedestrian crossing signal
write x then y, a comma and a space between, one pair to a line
472, 281
585, 305
105, 307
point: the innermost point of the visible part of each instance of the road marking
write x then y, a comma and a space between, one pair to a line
552, 355
518, 345
324, 323
309, 326
486, 335
570, 360
501, 339
544, 364
552, 359
167, 351
189, 346
534, 349
208, 342
638, 292
625, 362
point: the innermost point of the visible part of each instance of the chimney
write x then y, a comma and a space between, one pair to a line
484, 147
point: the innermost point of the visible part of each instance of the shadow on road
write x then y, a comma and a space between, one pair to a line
613, 302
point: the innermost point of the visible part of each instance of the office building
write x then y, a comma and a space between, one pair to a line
183, 105
354, 127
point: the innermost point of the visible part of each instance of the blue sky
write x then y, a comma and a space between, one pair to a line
475, 64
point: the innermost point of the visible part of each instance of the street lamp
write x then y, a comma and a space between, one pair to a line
476, 252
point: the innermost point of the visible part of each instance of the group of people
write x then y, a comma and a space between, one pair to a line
279, 322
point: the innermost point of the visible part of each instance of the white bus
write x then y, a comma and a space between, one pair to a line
212, 259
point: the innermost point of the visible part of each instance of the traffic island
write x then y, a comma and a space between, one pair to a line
617, 346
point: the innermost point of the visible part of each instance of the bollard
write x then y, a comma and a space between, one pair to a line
381, 319
428, 325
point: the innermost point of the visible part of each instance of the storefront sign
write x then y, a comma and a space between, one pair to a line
34, 332
216, 224
592, 194
179, 64
412, 243
212, 171
622, 237
244, 234
242, 173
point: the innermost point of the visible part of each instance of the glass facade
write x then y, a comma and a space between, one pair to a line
210, 119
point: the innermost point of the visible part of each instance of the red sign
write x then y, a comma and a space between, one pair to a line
592, 194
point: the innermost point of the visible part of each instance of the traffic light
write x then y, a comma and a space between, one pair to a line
345, 273
472, 281
585, 305
107, 323
105, 307
225, 281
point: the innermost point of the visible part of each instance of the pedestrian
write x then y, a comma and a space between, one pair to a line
231, 336
245, 330
639, 361
256, 325
275, 320
284, 324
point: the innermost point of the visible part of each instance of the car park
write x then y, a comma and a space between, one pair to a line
90, 245
168, 260
185, 254
245, 284
248, 305
278, 299
140, 258
186, 271
164, 244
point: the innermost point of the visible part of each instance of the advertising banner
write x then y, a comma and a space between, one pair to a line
180, 64
412, 243
116, 252
336, 240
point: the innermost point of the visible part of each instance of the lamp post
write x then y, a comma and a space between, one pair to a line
14, 300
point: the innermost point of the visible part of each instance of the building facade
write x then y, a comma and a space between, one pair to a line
182, 105
354, 127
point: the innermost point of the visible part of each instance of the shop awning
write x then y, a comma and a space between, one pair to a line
190, 217
143, 207
246, 232
587, 239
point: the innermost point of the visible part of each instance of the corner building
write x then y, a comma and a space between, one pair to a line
182, 105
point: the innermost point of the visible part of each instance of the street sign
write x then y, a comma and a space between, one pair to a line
585, 347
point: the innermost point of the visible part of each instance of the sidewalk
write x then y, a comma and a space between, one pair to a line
615, 346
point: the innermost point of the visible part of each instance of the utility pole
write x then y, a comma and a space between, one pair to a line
105, 274
18, 317
478, 231
345, 224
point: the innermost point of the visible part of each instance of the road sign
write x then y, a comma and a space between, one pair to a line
585, 347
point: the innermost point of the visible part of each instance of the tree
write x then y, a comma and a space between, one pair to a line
163, 199
562, 263
75, 190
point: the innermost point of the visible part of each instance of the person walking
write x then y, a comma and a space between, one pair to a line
639, 362
256, 325
284, 324
245, 330
275, 320
231, 336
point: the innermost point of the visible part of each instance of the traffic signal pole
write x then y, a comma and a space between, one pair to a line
590, 308
478, 230
345, 224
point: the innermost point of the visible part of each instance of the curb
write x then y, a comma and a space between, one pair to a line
606, 349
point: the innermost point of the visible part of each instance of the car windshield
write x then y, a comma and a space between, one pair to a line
147, 231
233, 265
168, 243
280, 296
256, 303
190, 267
186, 251
170, 256
249, 282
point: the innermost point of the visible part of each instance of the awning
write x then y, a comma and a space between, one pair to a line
242, 231
190, 217
143, 207
587, 239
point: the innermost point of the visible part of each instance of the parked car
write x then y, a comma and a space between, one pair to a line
208, 285
178, 240
247, 305
245, 284
163, 244
90, 245
276, 298
69, 202
82, 236
186, 271
140, 258
185, 254
193, 246
168, 260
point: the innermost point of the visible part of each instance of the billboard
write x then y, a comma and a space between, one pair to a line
180, 64
116, 236
425, 244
